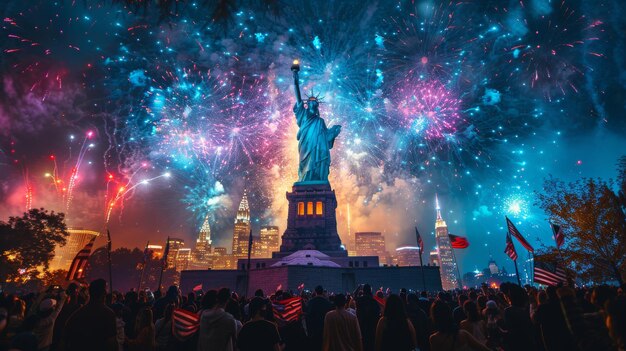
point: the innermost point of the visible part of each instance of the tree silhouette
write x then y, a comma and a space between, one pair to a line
28, 242
592, 214
126, 266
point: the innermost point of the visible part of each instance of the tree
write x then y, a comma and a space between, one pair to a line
127, 265
56, 277
593, 219
621, 178
28, 242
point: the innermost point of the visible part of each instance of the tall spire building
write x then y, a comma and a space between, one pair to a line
201, 254
242, 228
447, 261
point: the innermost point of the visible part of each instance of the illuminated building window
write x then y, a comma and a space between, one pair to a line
300, 208
319, 208
309, 208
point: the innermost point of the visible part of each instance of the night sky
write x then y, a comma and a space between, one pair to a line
150, 118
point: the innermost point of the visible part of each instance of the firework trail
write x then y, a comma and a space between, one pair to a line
71, 184
121, 193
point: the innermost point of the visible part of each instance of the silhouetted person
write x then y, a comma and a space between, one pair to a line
448, 336
419, 319
218, 330
144, 341
394, 330
616, 322
92, 327
341, 328
474, 324
552, 327
316, 311
368, 313
171, 297
258, 334
519, 329
458, 313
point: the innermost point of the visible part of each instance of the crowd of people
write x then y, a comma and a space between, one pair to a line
509, 318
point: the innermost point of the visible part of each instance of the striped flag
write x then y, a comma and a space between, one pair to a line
458, 242
287, 310
547, 272
420, 242
184, 323
77, 268
510, 248
559, 237
513, 231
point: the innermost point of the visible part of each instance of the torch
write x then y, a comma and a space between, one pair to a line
295, 67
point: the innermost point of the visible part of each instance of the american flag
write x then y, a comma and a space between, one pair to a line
184, 323
287, 310
513, 231
548, 272
559, 237
77, 268
510, 248
420, 242
458, 242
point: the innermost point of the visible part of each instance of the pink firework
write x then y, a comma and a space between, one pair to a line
429, 109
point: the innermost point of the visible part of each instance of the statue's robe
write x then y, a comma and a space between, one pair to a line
314, 143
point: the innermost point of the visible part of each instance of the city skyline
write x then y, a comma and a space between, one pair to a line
142, 124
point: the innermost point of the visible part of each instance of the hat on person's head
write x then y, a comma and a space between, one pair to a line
47, 304
491, 305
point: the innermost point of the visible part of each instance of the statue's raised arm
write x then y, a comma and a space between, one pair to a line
295, 68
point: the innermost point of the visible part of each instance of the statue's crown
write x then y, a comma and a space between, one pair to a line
314, 97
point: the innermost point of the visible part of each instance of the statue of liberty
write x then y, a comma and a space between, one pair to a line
314, 139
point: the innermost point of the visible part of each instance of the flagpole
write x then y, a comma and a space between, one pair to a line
109, 259
519, 282
530, 269
161, 277
143, 268
422, 269
164, 263
420, 248
558, 248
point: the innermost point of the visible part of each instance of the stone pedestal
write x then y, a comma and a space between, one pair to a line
311, 222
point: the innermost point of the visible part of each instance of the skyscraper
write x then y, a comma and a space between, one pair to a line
183, 256
63, 255
371, 244
242, 228
175, 245
407, 256
447, 262
201, 254
270, 241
